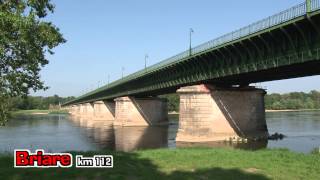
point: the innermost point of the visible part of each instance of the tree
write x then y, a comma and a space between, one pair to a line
173, 101
25, 40
315, 95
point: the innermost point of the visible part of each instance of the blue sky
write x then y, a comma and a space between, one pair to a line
105, 35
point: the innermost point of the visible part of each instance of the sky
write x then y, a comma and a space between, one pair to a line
105, 35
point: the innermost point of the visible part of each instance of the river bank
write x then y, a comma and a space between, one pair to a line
290, 110
191, 163
38, 112
267, 110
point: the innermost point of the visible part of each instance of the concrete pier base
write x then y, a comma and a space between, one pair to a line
208, 113
86, 110
104, 110
132, 111
75, 110
68, 109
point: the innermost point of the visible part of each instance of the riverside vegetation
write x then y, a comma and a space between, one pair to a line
37, 102
275, 101
26, 40
288, 101
191, 163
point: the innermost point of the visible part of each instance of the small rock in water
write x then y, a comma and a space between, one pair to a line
276, 136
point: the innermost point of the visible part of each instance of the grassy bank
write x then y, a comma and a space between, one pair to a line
194, 163
291, 110
38, 111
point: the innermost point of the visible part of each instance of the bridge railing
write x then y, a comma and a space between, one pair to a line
315, 5
284, 16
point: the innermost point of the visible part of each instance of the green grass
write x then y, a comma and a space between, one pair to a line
37, 111
191, 163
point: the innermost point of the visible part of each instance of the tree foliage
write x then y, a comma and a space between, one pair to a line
25, 40
173, 101
36, 102
294, 100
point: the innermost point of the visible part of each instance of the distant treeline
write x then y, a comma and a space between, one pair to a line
275, 101
37, 102
294, 100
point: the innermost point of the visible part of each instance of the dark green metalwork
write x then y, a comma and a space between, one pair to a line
282, 46
308, 4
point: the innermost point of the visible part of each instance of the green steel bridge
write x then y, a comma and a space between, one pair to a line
285, 45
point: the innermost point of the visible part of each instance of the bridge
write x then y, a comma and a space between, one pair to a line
212, 79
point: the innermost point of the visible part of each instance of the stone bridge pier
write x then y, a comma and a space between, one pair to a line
72, 110
86, 110
75, 110
104, 110
209, 113
131, 111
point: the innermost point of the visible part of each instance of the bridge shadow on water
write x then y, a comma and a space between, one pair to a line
108, 137
250, 146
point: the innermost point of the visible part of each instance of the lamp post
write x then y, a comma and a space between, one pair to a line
190, 34
145, 61
308, 6
122, 69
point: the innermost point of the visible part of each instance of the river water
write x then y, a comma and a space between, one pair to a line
58, 133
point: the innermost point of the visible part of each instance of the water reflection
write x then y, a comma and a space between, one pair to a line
107, 136
301, 129
53, 133
255, 145
58, 133
99, 132
121, 138
132, 138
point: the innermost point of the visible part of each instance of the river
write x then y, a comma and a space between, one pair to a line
59, 133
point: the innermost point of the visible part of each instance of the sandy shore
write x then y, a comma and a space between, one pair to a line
173, 113
39, 113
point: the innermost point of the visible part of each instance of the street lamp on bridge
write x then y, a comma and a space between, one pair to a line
122, 69
190, 34
308, 6
145, 61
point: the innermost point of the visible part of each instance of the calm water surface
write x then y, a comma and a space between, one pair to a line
57, 133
